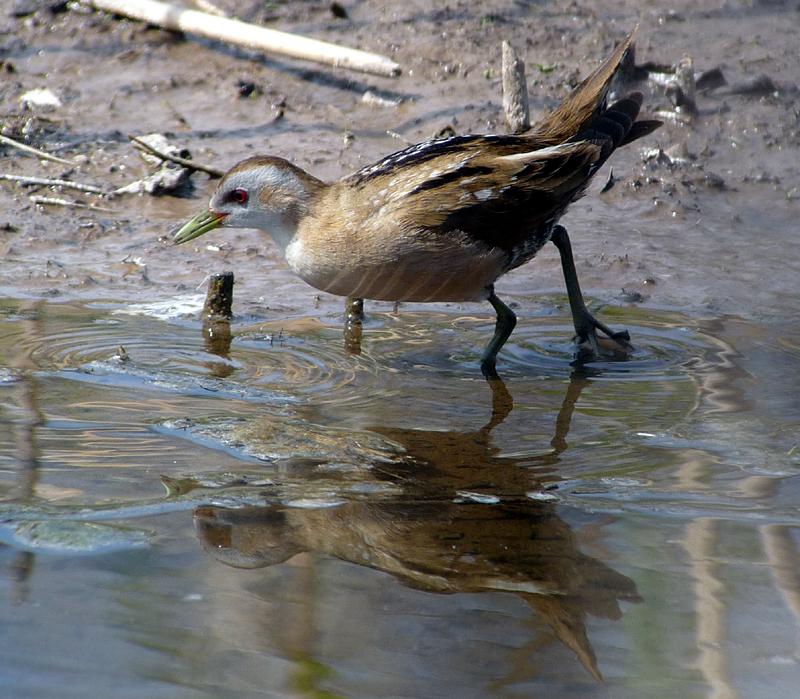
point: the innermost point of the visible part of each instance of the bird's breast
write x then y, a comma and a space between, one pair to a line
395, 265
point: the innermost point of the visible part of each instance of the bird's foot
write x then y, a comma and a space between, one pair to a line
590, 347
489, 369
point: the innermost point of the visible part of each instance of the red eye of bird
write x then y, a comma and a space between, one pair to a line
239, 196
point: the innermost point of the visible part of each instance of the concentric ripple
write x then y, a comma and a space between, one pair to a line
301, 356
663, 344
306, 357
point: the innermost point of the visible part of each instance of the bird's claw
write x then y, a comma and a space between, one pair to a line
591, 348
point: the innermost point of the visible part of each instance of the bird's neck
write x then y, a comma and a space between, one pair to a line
299, 201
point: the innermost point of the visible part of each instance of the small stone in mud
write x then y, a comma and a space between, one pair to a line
184, 423
631, 296
679, 154
121, 356
372, 97
710, 80
657, 155
713, 180
23, 8
338, 11
168, 179
249, 89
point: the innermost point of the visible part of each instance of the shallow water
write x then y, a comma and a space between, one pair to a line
259, 512
424, 532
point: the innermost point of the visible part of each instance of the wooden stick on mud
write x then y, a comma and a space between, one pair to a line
66, 184
40, 201
33, 151
515, 91
183, 162
248, 35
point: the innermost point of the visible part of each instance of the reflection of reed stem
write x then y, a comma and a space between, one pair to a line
27, 448
21, 569
28, 406
784, 561
28, 452
300, 628
701, 536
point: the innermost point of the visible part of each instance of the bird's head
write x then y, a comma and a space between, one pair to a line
267, 193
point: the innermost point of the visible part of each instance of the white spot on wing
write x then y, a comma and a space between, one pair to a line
539, 153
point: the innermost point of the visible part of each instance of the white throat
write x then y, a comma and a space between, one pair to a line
275, 196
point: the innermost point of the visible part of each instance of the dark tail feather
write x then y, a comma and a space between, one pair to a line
583, 116
617, 125
577, 112
639, 129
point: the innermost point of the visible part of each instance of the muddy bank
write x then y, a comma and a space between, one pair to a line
696, 230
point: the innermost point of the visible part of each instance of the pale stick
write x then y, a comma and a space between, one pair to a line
248, 35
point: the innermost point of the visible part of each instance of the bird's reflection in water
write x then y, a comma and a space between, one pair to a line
461, 523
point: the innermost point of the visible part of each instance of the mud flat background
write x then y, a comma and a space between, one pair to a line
633, 519
715, 219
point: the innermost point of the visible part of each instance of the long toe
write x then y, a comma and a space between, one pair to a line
590, 347
617, 344
587, 349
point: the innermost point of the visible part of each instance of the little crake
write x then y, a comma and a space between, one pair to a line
442, 220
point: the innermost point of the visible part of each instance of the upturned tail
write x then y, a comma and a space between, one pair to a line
585, 116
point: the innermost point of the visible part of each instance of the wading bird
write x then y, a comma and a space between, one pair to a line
444, 219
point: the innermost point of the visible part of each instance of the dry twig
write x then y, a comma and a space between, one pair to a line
33, 151
183, 162
67, 184
71, 204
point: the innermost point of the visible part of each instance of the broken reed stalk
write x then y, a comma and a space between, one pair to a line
353, 325
183, 162
248, 35
515, 91
217, 312
55, 201
66, 184
219, 299
34, 151
684, 87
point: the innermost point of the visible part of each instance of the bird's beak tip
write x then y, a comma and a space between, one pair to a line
200, 225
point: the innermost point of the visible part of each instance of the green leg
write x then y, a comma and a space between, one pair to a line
506, 321
585, 323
